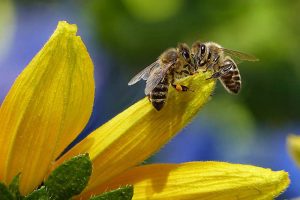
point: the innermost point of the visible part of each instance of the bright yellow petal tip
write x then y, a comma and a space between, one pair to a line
201, 180
47, 107
293, 143
139, 131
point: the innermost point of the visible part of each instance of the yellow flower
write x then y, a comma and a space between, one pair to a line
293, 142
51, 102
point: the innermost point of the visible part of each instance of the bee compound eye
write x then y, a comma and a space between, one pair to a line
186, 54
202, 49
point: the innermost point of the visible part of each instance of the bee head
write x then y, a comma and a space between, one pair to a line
199, 52
184, 51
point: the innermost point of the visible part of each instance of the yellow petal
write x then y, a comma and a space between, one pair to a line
201, 180
46, 108
139, 131
293, 142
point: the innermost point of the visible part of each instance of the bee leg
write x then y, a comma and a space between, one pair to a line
149, 97
215, 75
181, 88
205, 70
178, 87
194, 72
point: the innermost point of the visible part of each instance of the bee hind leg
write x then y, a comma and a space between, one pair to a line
181, 88
215, 75
149, 97
222, 71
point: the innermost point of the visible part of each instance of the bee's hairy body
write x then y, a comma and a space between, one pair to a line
177, 63
211, 56
158, 95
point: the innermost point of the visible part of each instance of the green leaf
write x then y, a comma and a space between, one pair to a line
40, 194
14, 187
124, 193
5, 193
70, 178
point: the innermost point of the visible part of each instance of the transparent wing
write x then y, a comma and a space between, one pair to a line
156, 76
241, 56
144, 74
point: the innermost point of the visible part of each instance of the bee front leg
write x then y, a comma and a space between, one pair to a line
206, 69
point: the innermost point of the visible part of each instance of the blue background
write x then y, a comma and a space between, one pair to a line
125, 36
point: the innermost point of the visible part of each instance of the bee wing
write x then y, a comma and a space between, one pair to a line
156, 76
144, 74
240, 55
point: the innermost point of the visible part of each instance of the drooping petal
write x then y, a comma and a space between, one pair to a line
139, 131
293, 142
46, 108
200, 180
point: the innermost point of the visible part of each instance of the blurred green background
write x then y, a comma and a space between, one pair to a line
125, 36
136, 32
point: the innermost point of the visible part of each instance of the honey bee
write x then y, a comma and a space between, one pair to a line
177, 63
211, 56
172, 65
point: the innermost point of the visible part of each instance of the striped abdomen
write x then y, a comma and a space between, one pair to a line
231, 80
158, 95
